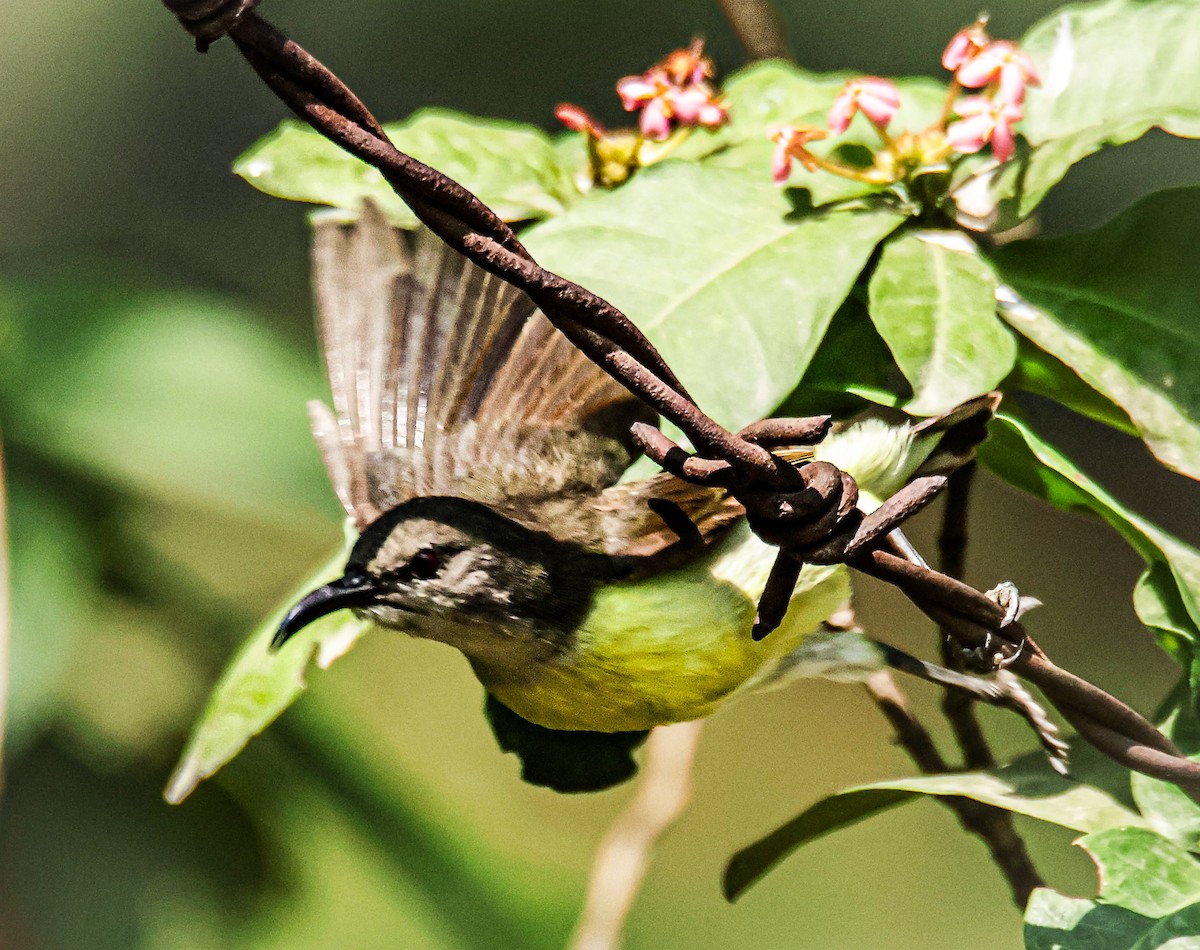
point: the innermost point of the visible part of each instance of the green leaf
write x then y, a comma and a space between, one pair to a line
511, 167
1027, 787
1118, 305
735, 291
1036, 371
1168, 592
1179, 931
851, 369
1056, 922
1168, 810
1110, 71
932, 298
260, 683
1142, 871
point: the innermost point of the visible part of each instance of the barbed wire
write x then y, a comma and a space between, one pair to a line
809, 511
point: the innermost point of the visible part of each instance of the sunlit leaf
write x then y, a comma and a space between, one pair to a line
932, 298
1142, 871
1027, 787
1168, 810
1110, 71
733, 286
511, 167
1169, 591
1118, 305
1036, 371
260, 683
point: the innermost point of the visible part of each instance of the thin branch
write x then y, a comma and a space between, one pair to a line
952, 549
624, 854
759, 27
992, 826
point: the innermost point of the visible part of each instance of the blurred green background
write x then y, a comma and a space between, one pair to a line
155, 355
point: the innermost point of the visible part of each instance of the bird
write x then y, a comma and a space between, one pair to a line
480, 457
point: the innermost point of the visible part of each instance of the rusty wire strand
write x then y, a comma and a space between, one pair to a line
796, 508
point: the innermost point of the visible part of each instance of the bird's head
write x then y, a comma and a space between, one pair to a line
454, 570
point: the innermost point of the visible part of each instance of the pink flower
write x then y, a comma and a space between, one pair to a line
984, 120
789, 144
1004, 62
696, 105
877, 99
578, 120
966, 44
664, 102
649, 93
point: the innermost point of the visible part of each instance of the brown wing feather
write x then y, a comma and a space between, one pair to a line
638, 522
448, 381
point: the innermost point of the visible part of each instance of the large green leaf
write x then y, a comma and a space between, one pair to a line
1142, 871
511, 167
1036, 371
932, 298
261, 683
1119, 306
1110, 71
851, 369
1169, 592
1027, 787
1149, 898
734, 287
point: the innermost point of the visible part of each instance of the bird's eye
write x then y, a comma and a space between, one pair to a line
425, 563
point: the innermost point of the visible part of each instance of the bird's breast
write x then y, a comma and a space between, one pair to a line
671, 647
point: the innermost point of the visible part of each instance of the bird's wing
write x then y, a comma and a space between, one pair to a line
448, 381
662, 521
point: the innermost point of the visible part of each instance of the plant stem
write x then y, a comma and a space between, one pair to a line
993, 826
759, 27
952, 550
624, 855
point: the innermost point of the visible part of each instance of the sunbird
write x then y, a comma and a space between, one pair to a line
480, 455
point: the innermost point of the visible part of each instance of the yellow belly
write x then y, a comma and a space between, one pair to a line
673, 647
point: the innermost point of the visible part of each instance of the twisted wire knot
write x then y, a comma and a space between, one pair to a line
208, 20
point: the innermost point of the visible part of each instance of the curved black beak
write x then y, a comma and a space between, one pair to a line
356, 589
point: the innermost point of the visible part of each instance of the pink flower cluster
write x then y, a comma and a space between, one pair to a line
676, 91
1003, 71
998, 68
